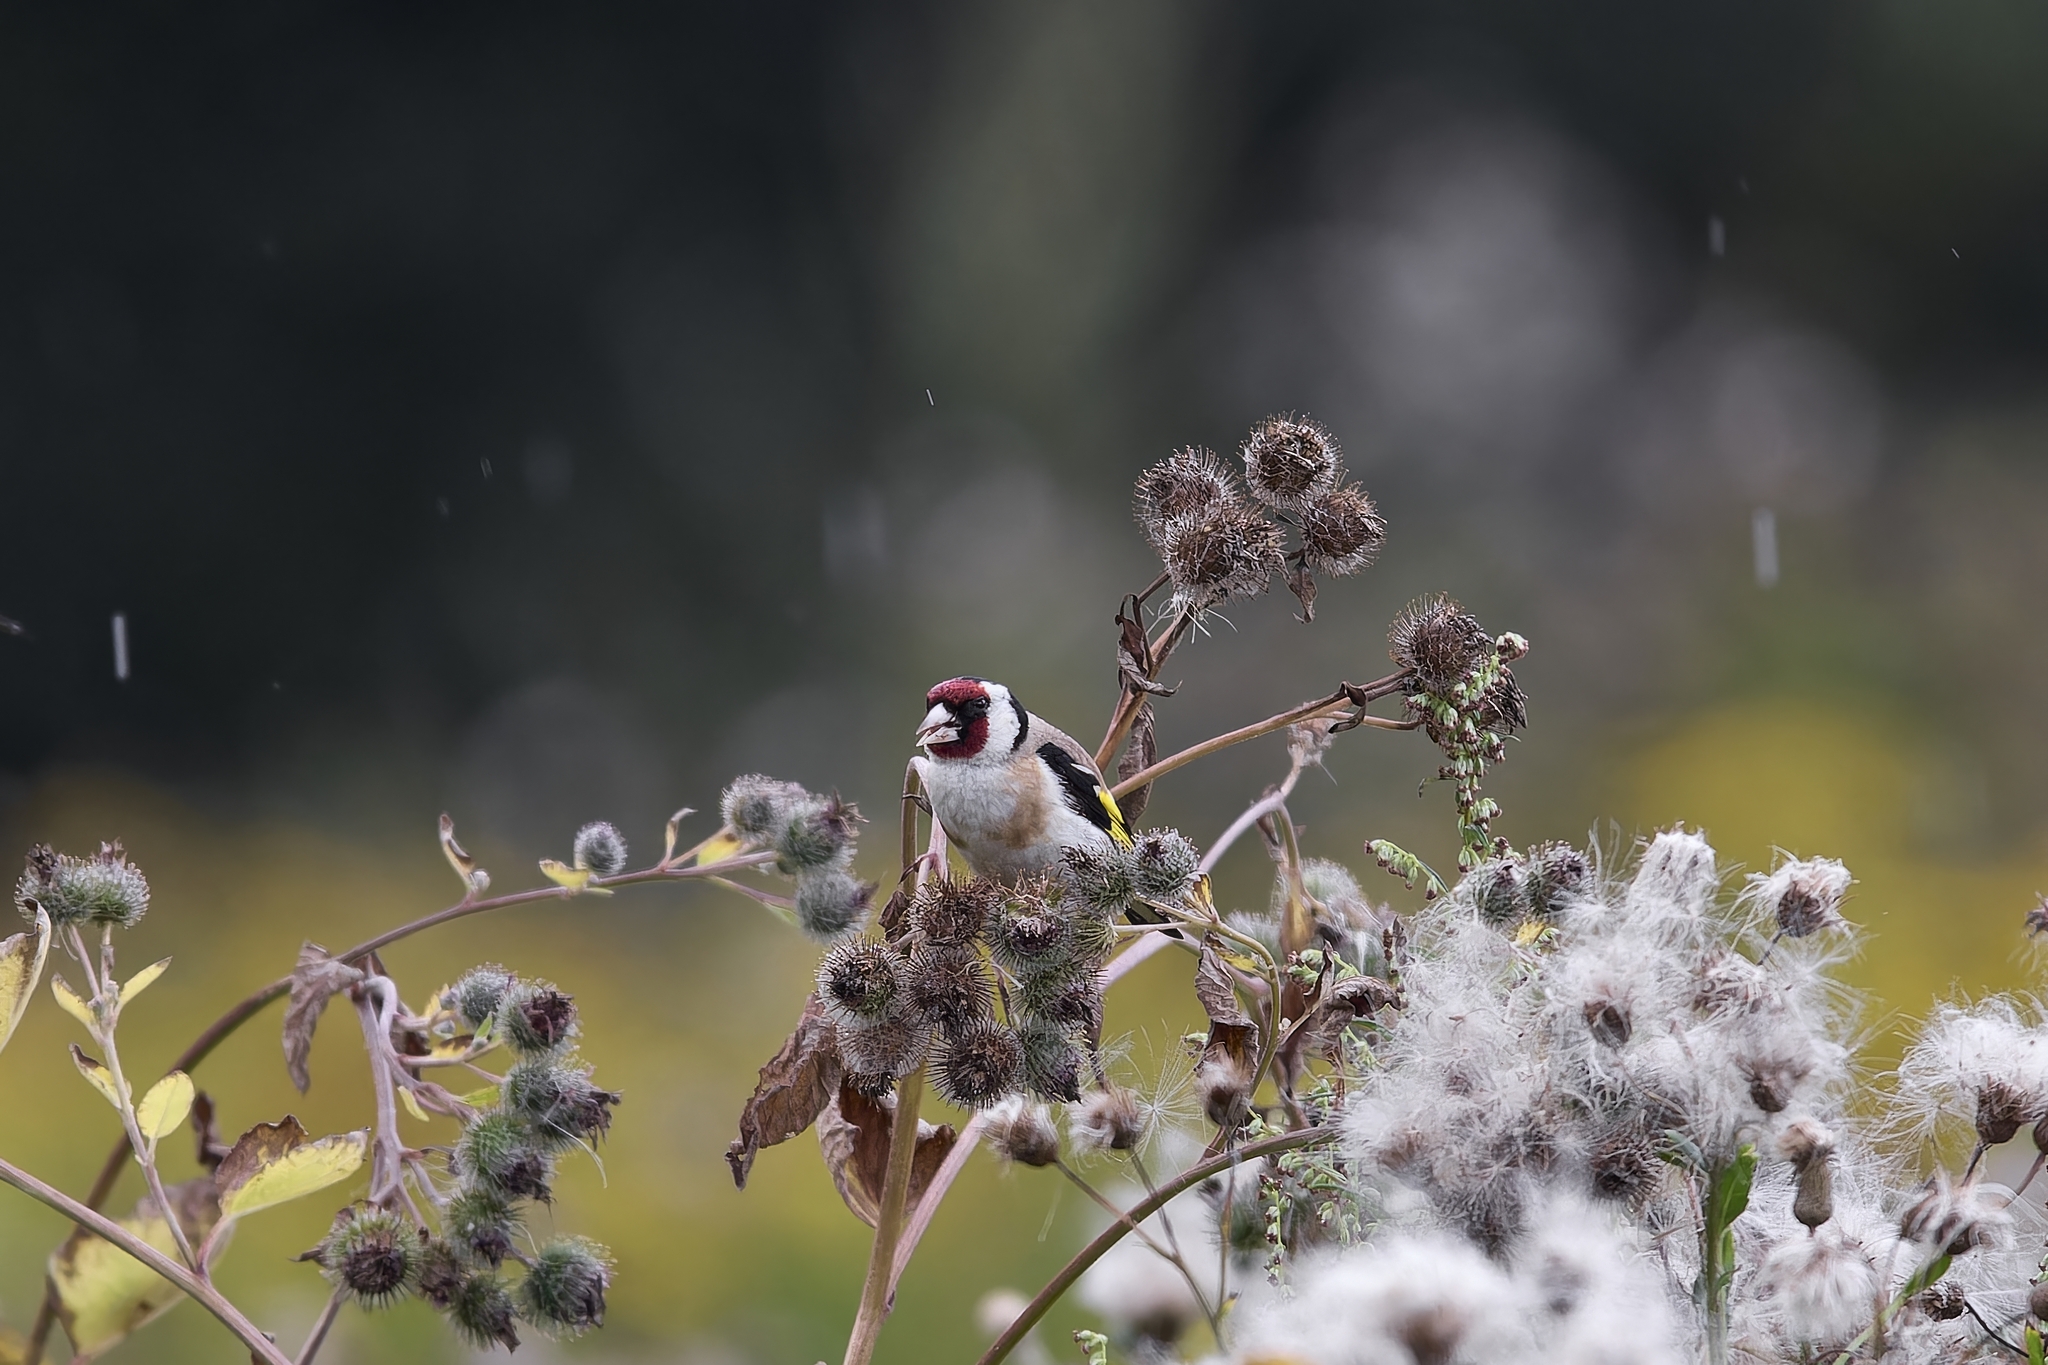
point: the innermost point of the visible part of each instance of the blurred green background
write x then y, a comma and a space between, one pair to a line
545, 414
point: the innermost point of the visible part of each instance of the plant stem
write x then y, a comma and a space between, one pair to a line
875, 1295
1172, 1256
318, 1335
1194, 1175
209, 1298
1130, 699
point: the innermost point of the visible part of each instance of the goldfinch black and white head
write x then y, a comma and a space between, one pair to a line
1012, 792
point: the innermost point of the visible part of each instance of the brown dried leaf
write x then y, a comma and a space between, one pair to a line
207, 1134
1214, 989
853, 1133
795, 1086
1302, 584
317, 977
256, 1149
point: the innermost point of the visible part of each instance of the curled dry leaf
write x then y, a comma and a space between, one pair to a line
795, 1086
21, 967
1214, 990
273, 1163
102, 1293
853, 1133
314, 980
1139, 755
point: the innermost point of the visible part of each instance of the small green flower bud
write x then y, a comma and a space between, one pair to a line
979, 1067
601, 848
947, 988
479, 992
535, 1017
481, 1223
953, 914
1051, 1062
860, 978
1164, 865
102, 888
482, 1311
829, 902
561, 1102
817, 833
758, 807
564, 1286
373, 1254
499, 1152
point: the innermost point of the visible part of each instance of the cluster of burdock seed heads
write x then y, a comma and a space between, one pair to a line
1218, 543
100, 888
813, 839
504, 1159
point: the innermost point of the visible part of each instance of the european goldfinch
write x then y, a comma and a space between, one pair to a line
1012, 792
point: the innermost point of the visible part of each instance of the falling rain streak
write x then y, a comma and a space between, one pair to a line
1763, 536
121, 646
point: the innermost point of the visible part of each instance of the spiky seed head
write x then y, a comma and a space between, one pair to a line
477, 994
1436, 640
757, 807
954, 914
978, 1067
817, 833
1099, 877
1225, 1086
1498, 890
1291, 463
1504, 707
1021, 1131
2002, 1110
499, 1152
600, 847
1945, 1300
560, 1101
1108, 1120
1027, 939
100, 888
860, 978
947, 988
1052, 1061
373, 1254
1950, 1219
1071, 1001
535, 1017
481, 1223
884, 1048
1806, 895
831, 901
444, 1269
1094, 936
565, 1284
1610, 1020
1189, 482
1341, 533
1623, 1164
1228, 551
1164, 864
481, 1309
1556, 873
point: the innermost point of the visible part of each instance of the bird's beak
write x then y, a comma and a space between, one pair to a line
939, 727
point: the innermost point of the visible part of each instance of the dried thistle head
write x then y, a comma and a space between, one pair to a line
1498, 889
564, 1289
1108, 1120
1805, 895
1021, 1131
1438, 641
2002, 1110
1164, 864
1342, 532
1189, 482
947, 988
1050, 1059
757, 807
860, 978
482, 1311
816, 833
373, 1254
476, 995
535, 1017
1556, 872
559, 1100
979, 1067
883, 1048
100, 888
1228, 550
831, 901
482, 1223
1027, 939
952, 913
498, 1151
1291, 463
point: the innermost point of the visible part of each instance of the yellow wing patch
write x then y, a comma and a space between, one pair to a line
1118, 829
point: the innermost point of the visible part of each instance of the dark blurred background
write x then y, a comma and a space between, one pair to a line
543, 414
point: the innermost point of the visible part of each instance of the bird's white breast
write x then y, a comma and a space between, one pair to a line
1008, 820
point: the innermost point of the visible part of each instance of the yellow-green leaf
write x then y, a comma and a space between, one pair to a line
165, 1106
577, 879
103, 1293
273, 1163
675, 824
717, 850
140, 982
70, 1001
96, 1071
412, 1106
486, 1098
21, 967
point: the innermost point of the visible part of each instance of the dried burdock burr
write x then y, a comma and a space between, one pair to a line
1291, 463
601, 848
